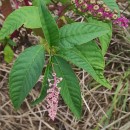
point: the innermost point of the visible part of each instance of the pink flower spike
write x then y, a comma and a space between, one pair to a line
53, 96
122, 21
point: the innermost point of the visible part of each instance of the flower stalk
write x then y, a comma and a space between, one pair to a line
99, 10
53, 96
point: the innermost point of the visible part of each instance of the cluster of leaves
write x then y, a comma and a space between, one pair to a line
73, 42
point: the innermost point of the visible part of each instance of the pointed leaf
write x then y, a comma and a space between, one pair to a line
70, 90
106, 38
45, 85
80, 33
25, 73
88, 57
49, 26
28, 16
105, 41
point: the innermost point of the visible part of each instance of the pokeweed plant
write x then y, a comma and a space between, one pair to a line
73, 43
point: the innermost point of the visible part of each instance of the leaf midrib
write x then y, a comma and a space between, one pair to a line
27, 70
65, 82
88, 63
74, 35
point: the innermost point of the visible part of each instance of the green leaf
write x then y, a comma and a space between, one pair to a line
80, 33
88, 57
70, 89
47, 1
25, 73
49, 26
10, 42
106, 38
45, 85
112, 5
27, 16
8, 54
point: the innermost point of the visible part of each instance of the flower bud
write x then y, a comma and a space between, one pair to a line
114, 16
72, 1
100, 14
107, 18
80, 1
89, 12
92, 1
115, 11
105, 6
95, 7
53, 74
100, 2
84, 6
107, 9
50, 84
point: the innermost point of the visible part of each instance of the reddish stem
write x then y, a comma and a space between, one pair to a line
26, 2
55, 82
